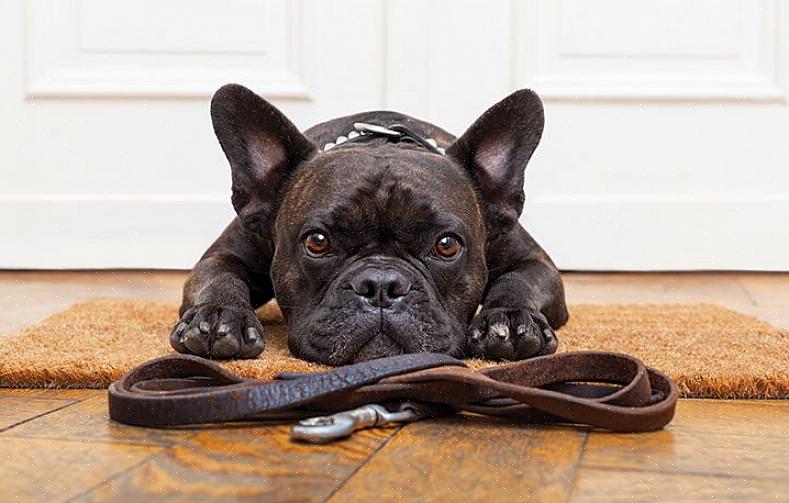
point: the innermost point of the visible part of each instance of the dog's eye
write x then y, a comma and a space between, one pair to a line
317, 243
448, 246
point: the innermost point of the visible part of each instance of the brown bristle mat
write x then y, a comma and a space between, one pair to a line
708, 350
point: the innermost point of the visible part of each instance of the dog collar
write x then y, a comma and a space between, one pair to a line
396, 132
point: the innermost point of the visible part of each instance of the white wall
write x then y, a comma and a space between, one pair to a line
664, 145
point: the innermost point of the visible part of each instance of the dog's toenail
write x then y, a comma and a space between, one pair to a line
500, 330
475, 334
177, 338
204, 327
520, 330
223, 329
252, 334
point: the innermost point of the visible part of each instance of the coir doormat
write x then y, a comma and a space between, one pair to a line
708, 350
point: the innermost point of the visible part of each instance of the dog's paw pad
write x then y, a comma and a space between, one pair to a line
510, 334
217, 331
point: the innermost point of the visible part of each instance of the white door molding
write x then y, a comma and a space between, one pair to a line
92, 48
665, 50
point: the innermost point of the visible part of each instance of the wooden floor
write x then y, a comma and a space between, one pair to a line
60, 446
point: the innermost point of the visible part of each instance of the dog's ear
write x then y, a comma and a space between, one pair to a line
495, 151
262, 145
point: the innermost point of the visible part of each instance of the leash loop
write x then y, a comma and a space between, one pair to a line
602, 390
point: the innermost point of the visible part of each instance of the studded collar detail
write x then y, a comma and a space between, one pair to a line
395, 132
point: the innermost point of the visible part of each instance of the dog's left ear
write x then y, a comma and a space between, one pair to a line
495, 151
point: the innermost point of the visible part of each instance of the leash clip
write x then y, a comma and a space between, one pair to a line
325, 429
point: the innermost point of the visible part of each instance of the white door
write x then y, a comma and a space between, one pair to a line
665, 143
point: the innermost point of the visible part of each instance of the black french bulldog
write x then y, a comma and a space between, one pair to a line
376, 244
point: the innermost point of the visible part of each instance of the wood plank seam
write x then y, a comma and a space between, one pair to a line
577, 466
128, 469
96, 440
40, 393
682, 472
164, 453
766, 436
27, 420
186, 434
366, 460
94, 487
745, 291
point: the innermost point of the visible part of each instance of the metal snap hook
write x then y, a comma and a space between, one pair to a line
324, 429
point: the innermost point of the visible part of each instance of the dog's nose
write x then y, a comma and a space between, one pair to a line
380, 287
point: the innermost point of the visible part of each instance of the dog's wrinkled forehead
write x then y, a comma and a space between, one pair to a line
389, 189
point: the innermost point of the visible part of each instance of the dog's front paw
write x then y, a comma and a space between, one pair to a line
218, 331
510, 334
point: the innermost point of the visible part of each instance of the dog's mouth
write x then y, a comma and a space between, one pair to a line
373, 335
341, 336
378, 346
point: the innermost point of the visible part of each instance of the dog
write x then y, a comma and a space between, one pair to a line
378, 234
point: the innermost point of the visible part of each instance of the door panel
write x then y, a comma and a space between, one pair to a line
666, 122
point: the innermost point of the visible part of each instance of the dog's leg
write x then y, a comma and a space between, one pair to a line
523, 303
218, 311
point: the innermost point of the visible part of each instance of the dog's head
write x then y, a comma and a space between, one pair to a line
378, 248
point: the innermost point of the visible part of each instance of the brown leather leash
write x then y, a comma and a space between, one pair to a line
602, 390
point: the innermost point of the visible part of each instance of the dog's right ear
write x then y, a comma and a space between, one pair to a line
262, 145
496, 149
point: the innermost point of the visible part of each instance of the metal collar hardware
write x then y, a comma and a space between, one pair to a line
395, 132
